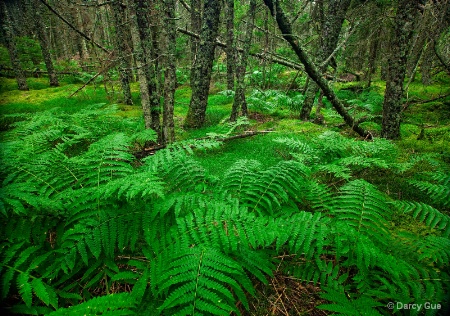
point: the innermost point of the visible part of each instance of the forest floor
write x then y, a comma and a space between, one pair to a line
425, 127
425, 130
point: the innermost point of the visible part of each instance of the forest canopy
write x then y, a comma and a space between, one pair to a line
222, 157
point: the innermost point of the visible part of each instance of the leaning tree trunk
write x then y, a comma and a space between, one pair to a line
392, 105
9, 37
239, 97
35, 9
121, 51
201, 73
231, 51
331, 28
170, 77
312, 71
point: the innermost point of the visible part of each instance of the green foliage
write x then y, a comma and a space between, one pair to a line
29, 51
91, 230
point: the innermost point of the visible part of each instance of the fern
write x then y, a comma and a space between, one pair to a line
438, 190
198, 279
426, 214
363, 208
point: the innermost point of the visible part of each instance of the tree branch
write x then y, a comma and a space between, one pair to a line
274, 58
73, 27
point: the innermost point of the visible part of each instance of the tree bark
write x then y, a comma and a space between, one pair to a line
121, 51
196, 25
310, 68
331, 28
34, 8
230, 51
170, 77
201, 73
9, 37
140, 64
392, 105
239, 97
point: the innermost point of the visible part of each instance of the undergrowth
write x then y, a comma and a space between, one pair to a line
90, 230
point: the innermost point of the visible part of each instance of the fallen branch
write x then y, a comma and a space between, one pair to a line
408, 104
106, 68
152, 150
271, 57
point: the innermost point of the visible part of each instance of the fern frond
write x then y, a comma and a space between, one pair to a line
114, 304
200, 280
439, 192
435, 249
426, 214
363, 305
273, 187
363, 207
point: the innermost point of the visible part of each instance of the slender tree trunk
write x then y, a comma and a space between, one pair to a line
196, 25
392, 106
9, 37
201, 74
121, 51
141, 65
231, 51
373, 53
312, 71
427, 64
146, 18
331, 28
35, 12
239, 97
170, 77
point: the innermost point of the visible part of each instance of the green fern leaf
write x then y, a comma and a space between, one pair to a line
427, 214
114, 304
40, 290
364, 208
25, 288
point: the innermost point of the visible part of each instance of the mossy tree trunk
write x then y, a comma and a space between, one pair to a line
121, 49
34, 9
201, 72
170, 78
313, 72
403, 30
147, 22
330, 29
231, 50
9, 37
196, 25
141, 65
239, 102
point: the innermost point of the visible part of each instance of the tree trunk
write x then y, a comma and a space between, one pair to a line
331, 28
427, 64
196, 25
231, 51
121, 51
170, 77
9, 37
35, 9
310, 68
239, 97
201, 73
392, 105
141, 65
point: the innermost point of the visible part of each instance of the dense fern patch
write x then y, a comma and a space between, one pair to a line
88, 230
